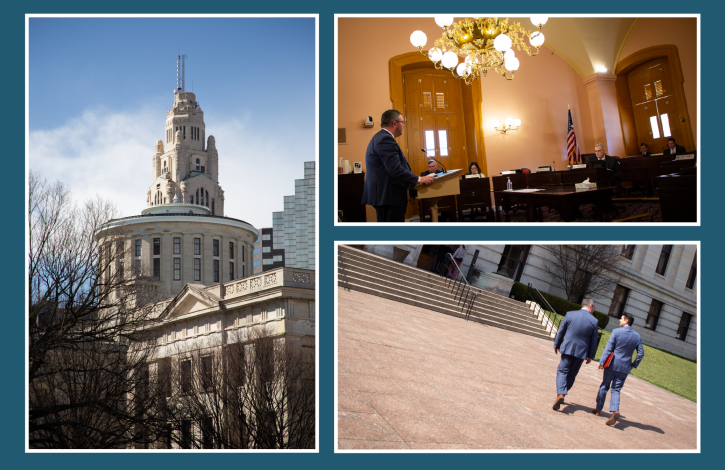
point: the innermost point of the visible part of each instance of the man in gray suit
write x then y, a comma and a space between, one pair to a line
578, 333
622, 343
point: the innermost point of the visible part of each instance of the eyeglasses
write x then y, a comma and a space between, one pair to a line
401, 122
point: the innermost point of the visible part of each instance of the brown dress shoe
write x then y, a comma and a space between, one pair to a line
611, 421
595, 412
558, 402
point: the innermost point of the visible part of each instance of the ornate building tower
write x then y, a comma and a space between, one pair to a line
183, 237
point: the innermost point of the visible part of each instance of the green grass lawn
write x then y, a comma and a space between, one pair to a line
666, 370
554, 317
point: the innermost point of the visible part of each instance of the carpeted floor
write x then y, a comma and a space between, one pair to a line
628, 211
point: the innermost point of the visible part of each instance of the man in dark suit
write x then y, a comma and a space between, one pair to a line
600, 159
673, 148
577, 338
622, 344
644, 150
388, 173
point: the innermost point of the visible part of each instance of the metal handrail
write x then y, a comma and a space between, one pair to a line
541, 300
460, 287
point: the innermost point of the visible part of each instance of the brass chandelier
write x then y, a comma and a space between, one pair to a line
487, 44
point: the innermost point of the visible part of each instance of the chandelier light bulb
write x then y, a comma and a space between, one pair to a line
539, 20
450, 60
517, 122
463, 69
444, 20
502, 43
435, 54
509, 54
537, 39
418, 39
509, 121
495, 123
512, 64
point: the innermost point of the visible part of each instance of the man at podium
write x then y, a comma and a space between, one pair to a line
388, 173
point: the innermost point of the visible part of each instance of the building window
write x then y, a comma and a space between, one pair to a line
207, 374
157, 268
157, 246
186, 434
267, 261
207, 433
165, 377
215, 247
197, 169
277, 258
231, 271
513, 261
628, 251
138, 267
185, 375
266, 249
197, 246
231, 250
256, 251
216, 270
197, 269
138, 247
212, 206
664, 259
684, 326
206, 193
619, 300
177, 245
197, 197
255, 264
693, 274
266, 237
654, 315
177, 269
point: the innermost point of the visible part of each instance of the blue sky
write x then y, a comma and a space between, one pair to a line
100, 88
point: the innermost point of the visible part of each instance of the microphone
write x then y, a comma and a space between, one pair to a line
433, 158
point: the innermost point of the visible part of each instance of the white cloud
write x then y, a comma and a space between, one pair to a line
109, 153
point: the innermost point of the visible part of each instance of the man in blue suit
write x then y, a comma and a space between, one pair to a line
622, 343
577, 339
388, 173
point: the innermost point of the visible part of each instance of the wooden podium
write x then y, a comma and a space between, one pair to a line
445, 185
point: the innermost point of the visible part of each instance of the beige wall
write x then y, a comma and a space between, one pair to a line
539, 95
682, 32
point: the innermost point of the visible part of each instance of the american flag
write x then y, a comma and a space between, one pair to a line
572, 149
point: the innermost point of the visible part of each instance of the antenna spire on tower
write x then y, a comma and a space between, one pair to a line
180, 72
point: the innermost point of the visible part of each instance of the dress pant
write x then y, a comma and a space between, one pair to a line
390, 213
566, 373
615, 380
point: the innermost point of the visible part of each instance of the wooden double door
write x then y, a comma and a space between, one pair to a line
434, 119
655, 106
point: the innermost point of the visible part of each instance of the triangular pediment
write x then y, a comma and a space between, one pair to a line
192, 298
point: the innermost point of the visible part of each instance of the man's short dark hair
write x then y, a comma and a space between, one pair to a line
643, 144
432, 161
629, 317
388, 117
672, 139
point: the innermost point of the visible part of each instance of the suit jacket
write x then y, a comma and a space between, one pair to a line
388, 173
426, 172
646, 154
623, 342
578, 332
610, 163
678, 149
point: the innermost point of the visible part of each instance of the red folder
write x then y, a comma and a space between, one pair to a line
609, 360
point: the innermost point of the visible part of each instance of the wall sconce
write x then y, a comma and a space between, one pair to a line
511, 125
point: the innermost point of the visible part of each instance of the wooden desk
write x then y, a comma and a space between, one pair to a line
644, 169
349, 194
565, 199
475, 192
678, 197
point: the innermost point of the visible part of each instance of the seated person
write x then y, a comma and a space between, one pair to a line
474, 169
673, 148
432, 165
644, 150
600, 159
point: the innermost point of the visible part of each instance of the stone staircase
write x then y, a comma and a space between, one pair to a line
365, 272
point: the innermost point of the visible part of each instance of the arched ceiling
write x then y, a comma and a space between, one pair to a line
586, 43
